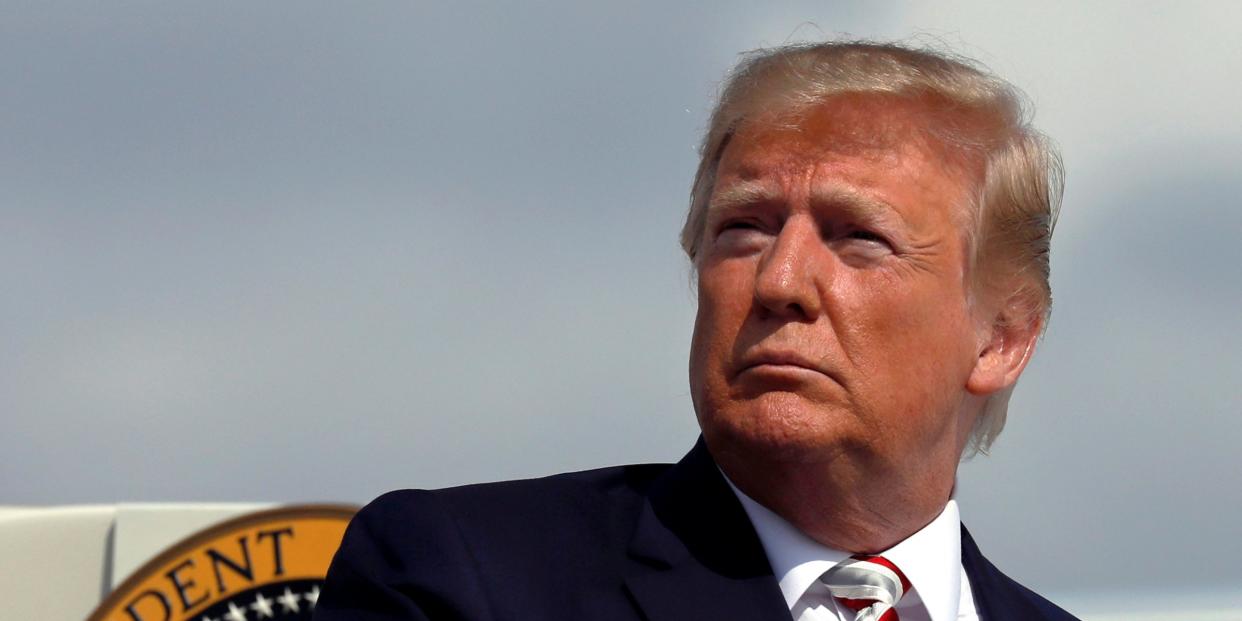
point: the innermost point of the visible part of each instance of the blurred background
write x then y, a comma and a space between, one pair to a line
300, 251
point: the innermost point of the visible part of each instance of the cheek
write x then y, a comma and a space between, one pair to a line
724, 302
893, 325
906, 291
725, 294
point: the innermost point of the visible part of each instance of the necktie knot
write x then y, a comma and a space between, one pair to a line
868, 585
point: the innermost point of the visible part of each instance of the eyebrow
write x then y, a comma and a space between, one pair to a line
755, 192
743, 193
857, 203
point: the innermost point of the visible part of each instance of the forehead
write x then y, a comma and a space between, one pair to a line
867, 146
876, 127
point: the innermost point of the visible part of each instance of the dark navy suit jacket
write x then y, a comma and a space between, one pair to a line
650, 542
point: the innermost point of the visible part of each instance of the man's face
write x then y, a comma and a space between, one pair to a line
834, 317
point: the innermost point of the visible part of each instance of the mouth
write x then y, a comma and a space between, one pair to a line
782, 363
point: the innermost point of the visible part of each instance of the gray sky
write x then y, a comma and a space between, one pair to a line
314, 251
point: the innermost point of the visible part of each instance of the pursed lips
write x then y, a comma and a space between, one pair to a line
777, 359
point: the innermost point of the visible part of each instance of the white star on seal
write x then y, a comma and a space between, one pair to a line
288, 601
312, 596
262, 605
235, 613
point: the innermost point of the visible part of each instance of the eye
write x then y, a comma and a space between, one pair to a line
739, 226
862, 247
865, 235
741, 235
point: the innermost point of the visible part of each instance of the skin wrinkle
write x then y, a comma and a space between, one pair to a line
860, 449
976, 125
733, 199
955, 157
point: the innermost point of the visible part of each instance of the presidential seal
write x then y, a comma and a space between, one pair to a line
263, 565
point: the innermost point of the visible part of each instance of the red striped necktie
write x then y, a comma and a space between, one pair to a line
868, 585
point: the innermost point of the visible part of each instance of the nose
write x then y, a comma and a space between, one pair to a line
788, 278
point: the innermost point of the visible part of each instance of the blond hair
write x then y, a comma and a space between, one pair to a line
975, 114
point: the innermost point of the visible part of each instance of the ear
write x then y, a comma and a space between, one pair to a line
1005, 346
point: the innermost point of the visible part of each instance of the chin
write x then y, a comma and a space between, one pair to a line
778, 427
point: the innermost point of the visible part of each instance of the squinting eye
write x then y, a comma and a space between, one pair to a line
865, 236
741, 236
862, 248
739, 227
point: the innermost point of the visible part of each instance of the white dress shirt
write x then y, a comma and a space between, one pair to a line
930, 558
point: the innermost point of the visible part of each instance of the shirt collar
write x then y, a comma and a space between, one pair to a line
930, 558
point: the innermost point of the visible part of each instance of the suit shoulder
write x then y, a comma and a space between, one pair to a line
402, 556
634, 478
402, 520
466, 552
561, 502
996, 592
1045, 608
581, 489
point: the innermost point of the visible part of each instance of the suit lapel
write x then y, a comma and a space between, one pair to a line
694, 553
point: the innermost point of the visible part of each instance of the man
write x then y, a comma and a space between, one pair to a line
869, 226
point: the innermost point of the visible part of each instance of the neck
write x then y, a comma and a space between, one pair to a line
841, 505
